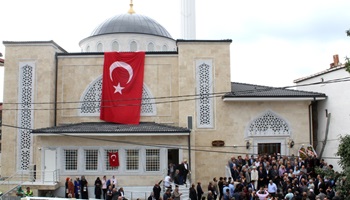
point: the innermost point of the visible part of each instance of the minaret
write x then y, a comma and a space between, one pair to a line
131, 9
188, 19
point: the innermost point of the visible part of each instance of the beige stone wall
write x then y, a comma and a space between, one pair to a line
166, 76
124, 178
235, 117
219, 53
43, 57
76, 73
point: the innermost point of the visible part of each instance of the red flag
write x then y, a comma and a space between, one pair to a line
113, 159
122, 84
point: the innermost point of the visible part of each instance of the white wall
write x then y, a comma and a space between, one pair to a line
337, 103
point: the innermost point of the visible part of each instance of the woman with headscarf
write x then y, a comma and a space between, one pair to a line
71, 192
98, 188
66, 187
84, 188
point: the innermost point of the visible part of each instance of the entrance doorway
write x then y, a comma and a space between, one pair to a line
49, 165
269, 148
173, 156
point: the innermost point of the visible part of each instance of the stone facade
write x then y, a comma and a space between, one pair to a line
196, 67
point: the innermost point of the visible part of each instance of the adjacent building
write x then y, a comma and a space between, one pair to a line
333, 113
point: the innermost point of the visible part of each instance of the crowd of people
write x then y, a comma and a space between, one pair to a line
104, 188
270, 177
260, 177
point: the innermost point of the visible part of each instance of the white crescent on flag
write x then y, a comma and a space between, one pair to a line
124, 65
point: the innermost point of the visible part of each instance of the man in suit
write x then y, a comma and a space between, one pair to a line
184, 170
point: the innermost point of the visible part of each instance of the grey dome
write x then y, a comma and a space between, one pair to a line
131, 23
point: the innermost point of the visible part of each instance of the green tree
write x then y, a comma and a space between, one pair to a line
344, 154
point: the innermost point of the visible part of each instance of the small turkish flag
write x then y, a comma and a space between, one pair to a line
113, 158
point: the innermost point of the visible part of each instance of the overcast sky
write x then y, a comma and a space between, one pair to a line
273, 42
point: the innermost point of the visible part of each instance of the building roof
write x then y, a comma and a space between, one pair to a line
249, 92
113, 129
320, 73
131, 23
49, 42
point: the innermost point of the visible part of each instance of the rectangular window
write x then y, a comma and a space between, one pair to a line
107, 165
71, 159
91, 159
132, 159
152, 160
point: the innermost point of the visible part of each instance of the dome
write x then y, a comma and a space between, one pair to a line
131, 23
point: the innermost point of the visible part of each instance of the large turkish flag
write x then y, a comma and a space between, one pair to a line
113, 159
122, 84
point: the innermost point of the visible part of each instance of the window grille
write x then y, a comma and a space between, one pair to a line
107, 166
71, 159
152, 160
91, 159
26, 99
269, 124
132, 159
91, 100
205, 109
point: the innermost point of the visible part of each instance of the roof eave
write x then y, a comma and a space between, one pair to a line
114, 134
227, 99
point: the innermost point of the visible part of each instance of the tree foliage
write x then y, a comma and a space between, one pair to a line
344, 154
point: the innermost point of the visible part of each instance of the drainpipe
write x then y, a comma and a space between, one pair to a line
56, 80
311, 128
328, 115
189, 125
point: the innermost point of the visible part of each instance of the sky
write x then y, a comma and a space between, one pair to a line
274, 42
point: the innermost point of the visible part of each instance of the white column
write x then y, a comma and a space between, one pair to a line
188, 19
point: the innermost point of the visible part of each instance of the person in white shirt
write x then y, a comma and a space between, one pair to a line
254, 177
290, 195
167, 181
113, 181
272, 188
262, 194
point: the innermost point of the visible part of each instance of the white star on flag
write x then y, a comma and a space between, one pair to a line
118, 88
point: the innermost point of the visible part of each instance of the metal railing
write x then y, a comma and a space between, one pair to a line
9, 185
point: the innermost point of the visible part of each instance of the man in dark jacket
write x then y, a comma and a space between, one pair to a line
199, 191
156, 191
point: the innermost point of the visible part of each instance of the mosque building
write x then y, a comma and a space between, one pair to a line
190, 109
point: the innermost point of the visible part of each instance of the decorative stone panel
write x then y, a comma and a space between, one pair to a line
269, 124
204, 91
25, 114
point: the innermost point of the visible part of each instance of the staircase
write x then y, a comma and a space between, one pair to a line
144, 192
9, 185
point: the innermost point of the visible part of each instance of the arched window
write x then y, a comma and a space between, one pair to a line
133, 46
269, 133
91, 99
115, 46
150, 47
99, 47
87, 49
268, 124
165, 48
